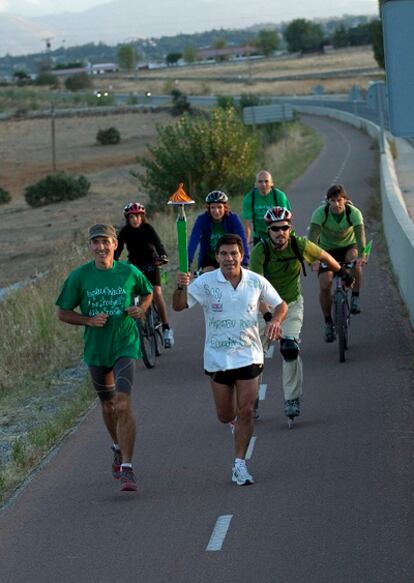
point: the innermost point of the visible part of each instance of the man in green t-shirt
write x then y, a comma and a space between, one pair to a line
104, 291
280, 258
338, 227
257, 201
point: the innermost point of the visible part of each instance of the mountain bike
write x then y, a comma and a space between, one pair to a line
341, 313
151, 337
150, 327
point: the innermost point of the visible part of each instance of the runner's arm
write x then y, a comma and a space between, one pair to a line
76, 319
139, 310
274, 327
179, 299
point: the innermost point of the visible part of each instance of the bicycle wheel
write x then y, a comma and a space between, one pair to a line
341, 325
147, 336
159, 338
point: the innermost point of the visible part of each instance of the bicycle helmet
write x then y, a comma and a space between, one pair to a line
134, 208
277, 213
216, 196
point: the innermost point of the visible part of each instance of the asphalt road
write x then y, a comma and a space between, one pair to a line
333, 497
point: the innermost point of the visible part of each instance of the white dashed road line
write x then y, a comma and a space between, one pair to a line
250, 449
262, 392
219, 533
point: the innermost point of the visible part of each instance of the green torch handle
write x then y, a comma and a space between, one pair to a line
182, 242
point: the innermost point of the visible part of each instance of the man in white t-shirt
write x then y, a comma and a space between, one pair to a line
233, 354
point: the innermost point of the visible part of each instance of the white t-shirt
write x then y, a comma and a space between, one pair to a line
232, 333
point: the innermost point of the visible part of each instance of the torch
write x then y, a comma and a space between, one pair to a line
180, 199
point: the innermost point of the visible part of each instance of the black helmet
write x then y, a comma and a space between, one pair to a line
216, 196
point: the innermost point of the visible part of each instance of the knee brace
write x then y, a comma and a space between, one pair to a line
289, 349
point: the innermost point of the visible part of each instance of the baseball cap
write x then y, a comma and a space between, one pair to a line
102, 231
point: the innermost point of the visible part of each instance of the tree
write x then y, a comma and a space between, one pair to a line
77, 82
190, 54
340, 37
304, 35
204, 154
377, 39
173, 58
127, 57
267, 41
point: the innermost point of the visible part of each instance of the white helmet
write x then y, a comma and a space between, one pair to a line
277, 213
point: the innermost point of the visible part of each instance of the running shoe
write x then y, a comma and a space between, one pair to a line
116, 464
329, 332
128, 480
292, 408
168, 336
241, 476
355, 305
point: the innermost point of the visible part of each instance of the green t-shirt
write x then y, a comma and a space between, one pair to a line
283, 268
217, 230
262, 204
335, 230
101, 291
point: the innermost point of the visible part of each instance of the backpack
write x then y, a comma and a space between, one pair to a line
348, 210
295, 249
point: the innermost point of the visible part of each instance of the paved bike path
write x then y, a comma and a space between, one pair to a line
332, 499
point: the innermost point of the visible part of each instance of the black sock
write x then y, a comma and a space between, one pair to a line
355, 294
165, 326
328, 320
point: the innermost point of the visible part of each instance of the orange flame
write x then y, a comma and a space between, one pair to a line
180, 196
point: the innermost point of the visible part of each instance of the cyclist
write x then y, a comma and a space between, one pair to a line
280, 257
104, 290
257, 201
210, 226
338, 227
146, 252
233, 354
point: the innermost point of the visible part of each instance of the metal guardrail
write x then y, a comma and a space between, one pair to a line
261, 114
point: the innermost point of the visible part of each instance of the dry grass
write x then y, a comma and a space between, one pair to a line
233, 78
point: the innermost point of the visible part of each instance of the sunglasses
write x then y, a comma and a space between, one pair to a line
282, 228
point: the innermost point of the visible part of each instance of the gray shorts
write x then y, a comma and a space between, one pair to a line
119, 378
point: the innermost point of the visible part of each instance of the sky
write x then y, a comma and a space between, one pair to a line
288, 10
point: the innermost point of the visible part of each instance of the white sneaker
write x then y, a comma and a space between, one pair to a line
241, 476
168, 336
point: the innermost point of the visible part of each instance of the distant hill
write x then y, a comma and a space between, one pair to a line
123, 20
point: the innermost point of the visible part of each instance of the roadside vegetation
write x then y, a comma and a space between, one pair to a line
44, 389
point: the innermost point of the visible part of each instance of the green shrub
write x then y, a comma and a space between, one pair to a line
5, 196
77, 82
108, 136
218, 152
225, 101
47, 78
180, 103
55, 188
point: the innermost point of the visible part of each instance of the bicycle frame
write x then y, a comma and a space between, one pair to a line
341, 315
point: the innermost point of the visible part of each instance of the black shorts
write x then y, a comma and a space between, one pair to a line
153, 274
108, 380
229, 377
338, 254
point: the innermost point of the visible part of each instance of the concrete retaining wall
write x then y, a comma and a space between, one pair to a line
398, 226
